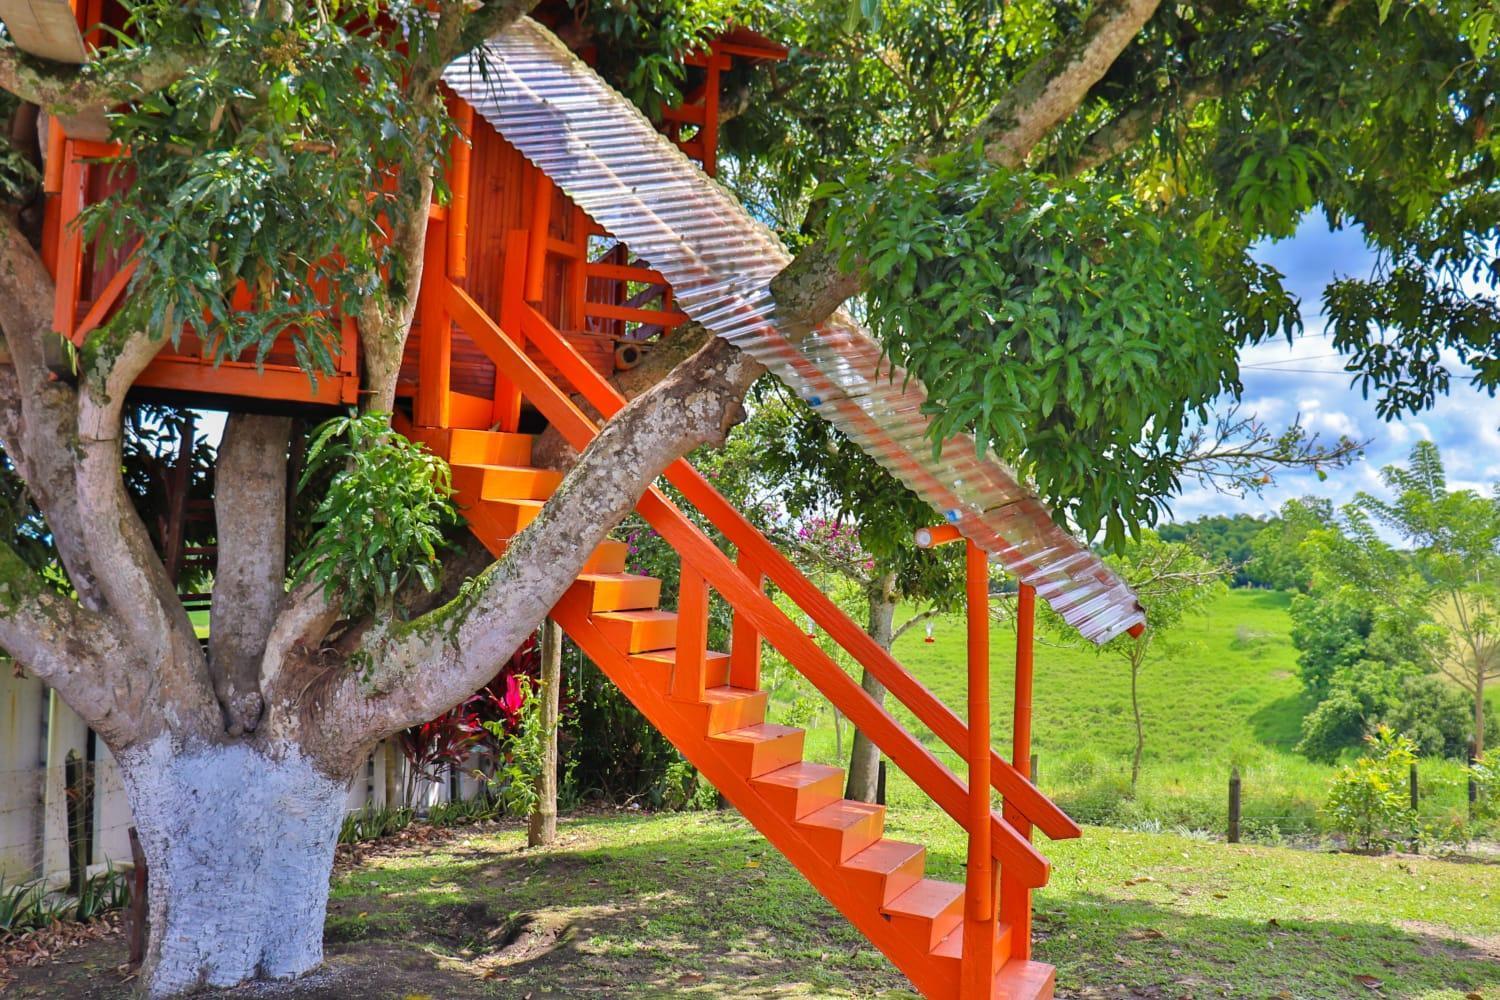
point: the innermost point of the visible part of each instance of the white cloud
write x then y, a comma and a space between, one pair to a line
1305, 377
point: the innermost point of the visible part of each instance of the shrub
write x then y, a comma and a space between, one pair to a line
1368, 802
373, 822
1485, 772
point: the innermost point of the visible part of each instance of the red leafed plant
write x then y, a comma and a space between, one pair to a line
447, 741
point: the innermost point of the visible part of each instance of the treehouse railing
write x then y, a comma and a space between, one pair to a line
995, 837
77, 170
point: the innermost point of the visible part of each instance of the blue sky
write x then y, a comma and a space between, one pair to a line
1282, 380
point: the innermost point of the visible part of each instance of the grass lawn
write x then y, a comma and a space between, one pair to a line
1226, 694
697, 905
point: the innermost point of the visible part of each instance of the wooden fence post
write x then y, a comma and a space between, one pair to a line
1412, 782
1234, 805
136, 925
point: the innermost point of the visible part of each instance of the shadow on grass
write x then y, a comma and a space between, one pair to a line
1278, 723
1101, 944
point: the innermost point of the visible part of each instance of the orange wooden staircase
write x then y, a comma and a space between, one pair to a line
951, 940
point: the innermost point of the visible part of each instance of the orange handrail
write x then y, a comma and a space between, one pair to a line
926, 706
704, 557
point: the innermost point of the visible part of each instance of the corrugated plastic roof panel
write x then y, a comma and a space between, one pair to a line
634, 182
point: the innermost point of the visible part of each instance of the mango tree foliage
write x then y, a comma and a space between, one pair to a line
1113, 254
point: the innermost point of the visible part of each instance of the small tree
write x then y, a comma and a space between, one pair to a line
1455, 538
1368, 802
1174, 581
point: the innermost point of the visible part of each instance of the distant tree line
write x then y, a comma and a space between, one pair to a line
1402, 635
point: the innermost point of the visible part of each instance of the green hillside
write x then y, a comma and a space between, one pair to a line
1224, 693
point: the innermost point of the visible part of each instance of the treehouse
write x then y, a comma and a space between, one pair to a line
579, 235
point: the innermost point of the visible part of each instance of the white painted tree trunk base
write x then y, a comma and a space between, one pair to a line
239, 843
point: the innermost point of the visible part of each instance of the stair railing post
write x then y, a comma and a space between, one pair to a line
434, 403
1015, 899
692, 636
507, 409
978, 968
69, 243
745, 640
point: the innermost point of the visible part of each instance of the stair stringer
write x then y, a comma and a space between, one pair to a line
678, 724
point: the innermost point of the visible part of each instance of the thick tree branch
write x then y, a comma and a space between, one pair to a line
250, 515
475, 27
41, 421
1052, 89
413, 671
130, 574
61, 89
75, 651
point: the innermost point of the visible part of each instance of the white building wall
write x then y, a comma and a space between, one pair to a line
22, 717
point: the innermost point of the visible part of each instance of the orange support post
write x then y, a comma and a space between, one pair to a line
460, 164
507, 408
541, 223
708, 132
1015, 899
434, 403
69, 243
745, 640
692, 636
979, 922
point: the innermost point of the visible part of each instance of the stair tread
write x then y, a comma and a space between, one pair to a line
1019, 979
952, 946
727, 693
502, 467
598, 577
885, 856
514, 501
842, 814
670, 655
801, 774
642, 615
928, 898
759, 733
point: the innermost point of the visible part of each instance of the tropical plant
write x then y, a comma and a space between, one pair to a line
1368, 801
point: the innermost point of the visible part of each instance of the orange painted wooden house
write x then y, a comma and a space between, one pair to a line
530, 297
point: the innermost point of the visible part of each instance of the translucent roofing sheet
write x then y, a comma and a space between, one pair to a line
634, 182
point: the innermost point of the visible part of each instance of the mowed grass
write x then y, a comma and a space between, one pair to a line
699, 905
1222, 692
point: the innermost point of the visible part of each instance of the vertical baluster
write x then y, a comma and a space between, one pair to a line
541, 227
507, 408
70, 242
460, 170
692, 635
1015, 899
979, 889
744, 648
434, 403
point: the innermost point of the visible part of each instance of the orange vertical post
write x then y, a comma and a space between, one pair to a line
434, 402
692, 636
460, 169
541, 224
708, 132
52, 185
1015, 899
978, 968
507, 407
745, 640
69, 243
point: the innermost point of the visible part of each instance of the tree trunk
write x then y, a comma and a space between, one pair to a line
239, 841
1140, 729
1479, 710
864, 757
543, 829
